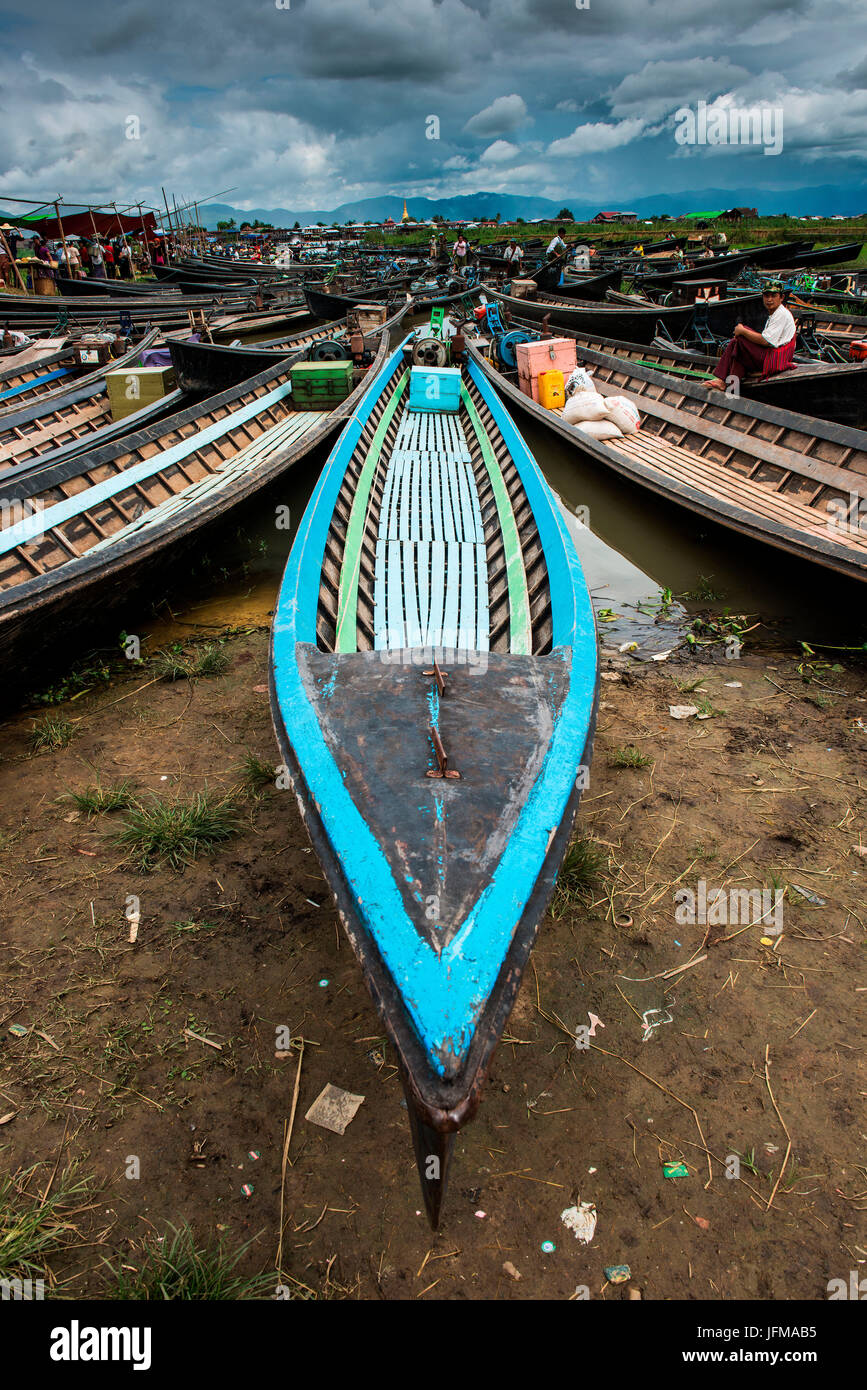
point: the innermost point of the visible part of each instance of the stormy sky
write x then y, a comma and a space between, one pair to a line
312, 103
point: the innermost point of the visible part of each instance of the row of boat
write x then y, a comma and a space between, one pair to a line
434, 660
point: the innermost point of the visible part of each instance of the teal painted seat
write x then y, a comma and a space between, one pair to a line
431, 574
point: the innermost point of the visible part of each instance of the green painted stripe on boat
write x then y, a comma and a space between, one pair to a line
347, 602
520, 627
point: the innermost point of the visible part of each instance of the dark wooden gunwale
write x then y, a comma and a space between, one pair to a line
737, 518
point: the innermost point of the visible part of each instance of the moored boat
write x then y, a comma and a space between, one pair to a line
776, 476
433, 687
83, 535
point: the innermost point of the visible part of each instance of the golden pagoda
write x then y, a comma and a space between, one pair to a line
405, 216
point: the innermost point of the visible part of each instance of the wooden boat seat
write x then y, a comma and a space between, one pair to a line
431, 574
84, 502
710, 477
279, 437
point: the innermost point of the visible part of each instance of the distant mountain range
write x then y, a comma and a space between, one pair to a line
829, 200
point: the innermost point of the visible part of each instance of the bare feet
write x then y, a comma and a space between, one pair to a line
714, 384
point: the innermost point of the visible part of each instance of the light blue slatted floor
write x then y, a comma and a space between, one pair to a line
431, 575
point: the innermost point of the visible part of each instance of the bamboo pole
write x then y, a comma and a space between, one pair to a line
62, 238
14, 262
125, 242
145, 231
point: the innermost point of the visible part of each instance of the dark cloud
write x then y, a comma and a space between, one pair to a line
326, 101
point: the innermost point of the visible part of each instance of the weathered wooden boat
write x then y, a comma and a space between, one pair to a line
830, 391
206, 368
433, 686
52, 376
632, 325
326, 306
592, 287
770, 474
724, 267
81, 419
828, 255
82, 537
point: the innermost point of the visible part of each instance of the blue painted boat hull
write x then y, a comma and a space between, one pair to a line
440, 881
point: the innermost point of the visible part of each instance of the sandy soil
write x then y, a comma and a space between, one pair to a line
758, 1049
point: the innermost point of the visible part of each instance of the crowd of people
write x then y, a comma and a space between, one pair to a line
80, 258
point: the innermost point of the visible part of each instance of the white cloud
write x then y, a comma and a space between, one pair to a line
597, 137
570, 104
503, 115
501, 152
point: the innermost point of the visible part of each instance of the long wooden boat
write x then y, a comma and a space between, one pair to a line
632, 325
52, 377
325, 306
592, 287
829, 390
725, 267
771, 474
206, 368
80, 419
433, 686
84, 535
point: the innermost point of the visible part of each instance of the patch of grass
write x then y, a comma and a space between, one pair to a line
33, 1227
687, 687
176, 833
175, 1267
171, 666
98, 800
749, 1162
51, 733
256, 775
628, 757
213, 661
579, 871
704, 707
704, 591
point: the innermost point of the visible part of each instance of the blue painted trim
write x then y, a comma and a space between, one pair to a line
42, 521
444, 993
36, 381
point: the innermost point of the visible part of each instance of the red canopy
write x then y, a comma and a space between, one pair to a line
83, 223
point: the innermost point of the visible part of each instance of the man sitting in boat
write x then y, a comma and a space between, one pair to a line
768, 352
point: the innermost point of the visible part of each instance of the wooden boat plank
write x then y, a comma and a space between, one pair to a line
482, 612
520, 626
437, 591
691, 468
448, 635
394, 596
410, 596
468, 627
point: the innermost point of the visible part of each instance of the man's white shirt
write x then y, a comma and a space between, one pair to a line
780, 327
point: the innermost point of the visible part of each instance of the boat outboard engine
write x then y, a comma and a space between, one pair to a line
328, 350
507, 342
430, 352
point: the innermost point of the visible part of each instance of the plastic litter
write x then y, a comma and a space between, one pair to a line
675, 1170
248, 1189
682, 711
509, 1268
617, 1274
334, 1109
581, 1221
810, 897
548, 1247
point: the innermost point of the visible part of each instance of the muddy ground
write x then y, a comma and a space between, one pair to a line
756, 1051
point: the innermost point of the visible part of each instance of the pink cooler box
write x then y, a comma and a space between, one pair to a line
552, 354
